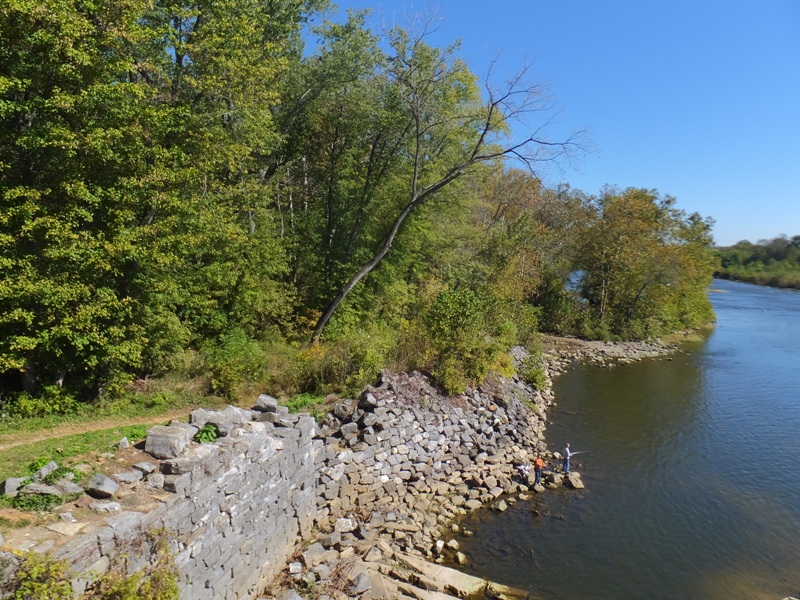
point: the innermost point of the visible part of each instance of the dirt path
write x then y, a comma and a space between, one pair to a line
22, 438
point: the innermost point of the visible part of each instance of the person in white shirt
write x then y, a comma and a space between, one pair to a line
567, 455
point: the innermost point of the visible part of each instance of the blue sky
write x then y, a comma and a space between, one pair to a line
697, 99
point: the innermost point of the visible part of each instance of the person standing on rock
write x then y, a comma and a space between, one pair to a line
567, 455
538, 465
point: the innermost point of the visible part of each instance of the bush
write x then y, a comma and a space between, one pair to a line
53, 400
533, 372
36, 502
347, 364
235, 360
207, 434
157, 581
462, 335
42, 578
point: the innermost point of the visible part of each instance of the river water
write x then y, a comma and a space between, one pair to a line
691, 465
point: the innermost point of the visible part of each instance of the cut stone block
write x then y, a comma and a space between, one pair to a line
167, 442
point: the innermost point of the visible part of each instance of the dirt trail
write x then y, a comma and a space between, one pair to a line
8, 441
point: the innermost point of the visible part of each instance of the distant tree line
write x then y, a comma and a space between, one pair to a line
188, 188
774, 262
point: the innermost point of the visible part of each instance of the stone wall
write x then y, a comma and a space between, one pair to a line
233, 510
384, 474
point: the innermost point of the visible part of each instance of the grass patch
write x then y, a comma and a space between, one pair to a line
14, 461
306, 403
146, 398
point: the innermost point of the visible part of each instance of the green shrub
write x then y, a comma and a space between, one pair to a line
157, 581
465, 342
347, 364
207, 434
36, 502
235, 360
60, 473
532, 370
305, 402
52, 400
41, 578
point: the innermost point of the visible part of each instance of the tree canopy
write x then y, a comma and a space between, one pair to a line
192, 180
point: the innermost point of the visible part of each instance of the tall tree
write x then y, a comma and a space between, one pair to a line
449, 129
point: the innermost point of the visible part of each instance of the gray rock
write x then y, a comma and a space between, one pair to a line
344, 409
68, 487
101, 486
129, 476
330, 539
106, 507
45, 471
41, 490
167, 442
155, 481
361, 584
313, 555
266, 403
345, 525
374, 554
295, 568
11, 486
575, 481
123, 444
145, 467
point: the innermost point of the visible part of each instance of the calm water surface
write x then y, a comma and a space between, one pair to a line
692, 472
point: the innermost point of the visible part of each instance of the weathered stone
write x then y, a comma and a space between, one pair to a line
360, 584
123, 444
266, 403
129, 476
346, 525
68, 487
105, 507
101, 486
68, 529
313, 555
167, 442
575, 480
145, 467
41, 489
11, 486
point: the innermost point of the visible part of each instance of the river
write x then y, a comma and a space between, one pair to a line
691, 465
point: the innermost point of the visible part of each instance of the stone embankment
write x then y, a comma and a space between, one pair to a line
373, 492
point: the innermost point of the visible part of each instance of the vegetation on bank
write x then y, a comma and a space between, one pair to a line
194, 203
774, 262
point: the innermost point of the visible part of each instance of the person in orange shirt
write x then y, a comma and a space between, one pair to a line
538, 465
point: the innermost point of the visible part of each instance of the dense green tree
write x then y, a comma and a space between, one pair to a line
773, 262
640, 259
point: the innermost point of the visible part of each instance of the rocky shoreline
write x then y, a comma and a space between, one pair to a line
392, 474
486, 435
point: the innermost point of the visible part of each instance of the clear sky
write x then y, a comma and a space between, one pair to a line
699, 99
